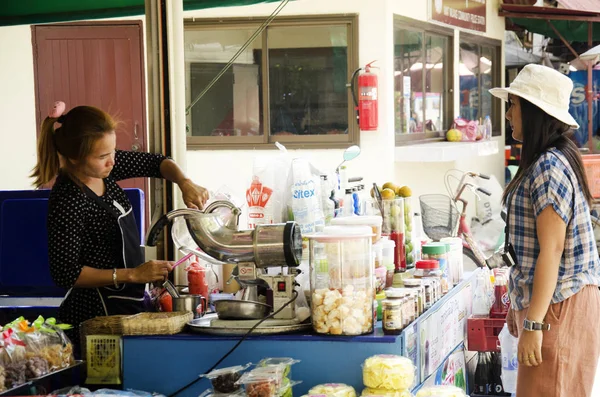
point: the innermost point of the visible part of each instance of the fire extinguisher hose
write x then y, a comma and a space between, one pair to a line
352, 89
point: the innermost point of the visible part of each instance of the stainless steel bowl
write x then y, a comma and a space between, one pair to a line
241, 310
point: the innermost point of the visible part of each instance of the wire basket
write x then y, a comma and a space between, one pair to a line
439, 216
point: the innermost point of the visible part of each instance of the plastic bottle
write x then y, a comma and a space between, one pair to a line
348, 208
355, 201
328, 205
496, 375
509, 347
336, 204
487, 128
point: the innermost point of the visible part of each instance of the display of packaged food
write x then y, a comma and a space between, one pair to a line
441, 391
272, 371
286, 361
214, 393
224, 380
333, 390
370, 392
389, 372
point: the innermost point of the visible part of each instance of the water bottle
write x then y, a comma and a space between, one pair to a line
509, 346
487, 128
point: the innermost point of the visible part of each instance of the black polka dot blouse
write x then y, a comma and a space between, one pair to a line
82, 233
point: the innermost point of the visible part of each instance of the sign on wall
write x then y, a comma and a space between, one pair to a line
467, 14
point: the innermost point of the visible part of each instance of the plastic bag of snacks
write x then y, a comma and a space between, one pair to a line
214, 393
224, 380
389, 372
266, 383
333, 390
369, 392
441, 391
276, 361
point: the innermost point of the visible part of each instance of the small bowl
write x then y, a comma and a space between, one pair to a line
241, 310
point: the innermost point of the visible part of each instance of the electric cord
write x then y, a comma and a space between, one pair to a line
353, 91
246, 335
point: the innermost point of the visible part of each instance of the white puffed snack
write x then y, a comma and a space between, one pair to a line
369, 392
349, 312
441, 391
333, 390
389, 372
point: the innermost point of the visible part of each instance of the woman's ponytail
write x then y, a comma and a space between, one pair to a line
47, 154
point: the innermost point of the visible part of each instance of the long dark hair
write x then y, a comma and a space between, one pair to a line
540, 133
74, 140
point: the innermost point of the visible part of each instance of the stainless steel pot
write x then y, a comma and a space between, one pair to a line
241, 310
196, 304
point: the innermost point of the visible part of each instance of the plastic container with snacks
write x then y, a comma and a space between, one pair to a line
214, 393
369, 392
380, 279
275, 372
378, 254
333, 390
438, 252
260, 386
341, 280
373, 221
225, 380
389, 372
287, 362
441, 391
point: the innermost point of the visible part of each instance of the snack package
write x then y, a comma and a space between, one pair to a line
469, 129
225, 380
276, 361
333, 390
369, 392
389, 372
256, 386
213, 393
441, 391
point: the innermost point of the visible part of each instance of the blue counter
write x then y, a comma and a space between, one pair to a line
165, 363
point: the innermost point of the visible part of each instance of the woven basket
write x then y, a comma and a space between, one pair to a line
156, 323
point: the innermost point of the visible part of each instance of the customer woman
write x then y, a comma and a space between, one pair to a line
554, 285
93, 241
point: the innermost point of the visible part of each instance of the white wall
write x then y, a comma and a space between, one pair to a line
17, 108
214, 168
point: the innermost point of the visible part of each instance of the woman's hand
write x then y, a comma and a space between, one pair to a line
512, 324
151, 271
530, 348
194, 196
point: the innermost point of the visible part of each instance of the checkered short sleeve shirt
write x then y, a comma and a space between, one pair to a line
551, 182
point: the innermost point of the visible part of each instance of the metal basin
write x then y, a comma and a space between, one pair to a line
241, 310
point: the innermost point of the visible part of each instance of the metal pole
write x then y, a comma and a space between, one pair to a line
589, 92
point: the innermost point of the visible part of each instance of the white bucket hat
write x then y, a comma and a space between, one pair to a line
546, 88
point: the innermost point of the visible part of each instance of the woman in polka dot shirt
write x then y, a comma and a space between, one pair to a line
93, 243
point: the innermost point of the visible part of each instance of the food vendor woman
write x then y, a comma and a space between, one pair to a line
93, 241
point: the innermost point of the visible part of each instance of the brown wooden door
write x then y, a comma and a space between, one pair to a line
98, 64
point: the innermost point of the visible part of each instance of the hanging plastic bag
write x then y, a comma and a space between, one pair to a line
487, 226
266, 196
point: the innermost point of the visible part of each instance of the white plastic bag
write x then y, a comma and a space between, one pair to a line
266, 195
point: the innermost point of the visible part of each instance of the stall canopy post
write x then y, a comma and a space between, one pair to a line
589, 92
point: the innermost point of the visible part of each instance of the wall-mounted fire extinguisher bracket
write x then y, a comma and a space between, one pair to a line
365, 97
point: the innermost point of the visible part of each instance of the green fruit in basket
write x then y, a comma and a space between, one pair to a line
409, 247
409, 259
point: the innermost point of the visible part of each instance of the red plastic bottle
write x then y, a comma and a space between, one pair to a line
502, 300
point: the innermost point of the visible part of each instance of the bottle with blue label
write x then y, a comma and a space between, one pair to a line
487, 124
509, 347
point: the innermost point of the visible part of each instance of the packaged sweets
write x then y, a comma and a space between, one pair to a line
333, 390
224, 380
389, 372
441, 391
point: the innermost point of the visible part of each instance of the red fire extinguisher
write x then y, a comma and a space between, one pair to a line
367, 102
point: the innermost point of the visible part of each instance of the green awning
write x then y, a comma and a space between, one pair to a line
29, 12
572, 25
572, 31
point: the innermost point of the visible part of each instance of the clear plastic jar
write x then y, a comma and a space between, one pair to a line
427, 268
341, 280
387, 259
429, 293
455, 258
438, 252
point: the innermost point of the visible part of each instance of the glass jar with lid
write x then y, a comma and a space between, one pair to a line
427, 268
393, 312
429, 288
417, 285
438, 252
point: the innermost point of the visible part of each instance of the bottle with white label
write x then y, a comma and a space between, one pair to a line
509, 347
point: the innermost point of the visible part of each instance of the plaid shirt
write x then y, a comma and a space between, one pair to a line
551, 181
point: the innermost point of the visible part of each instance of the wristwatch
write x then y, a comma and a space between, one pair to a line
529, 325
